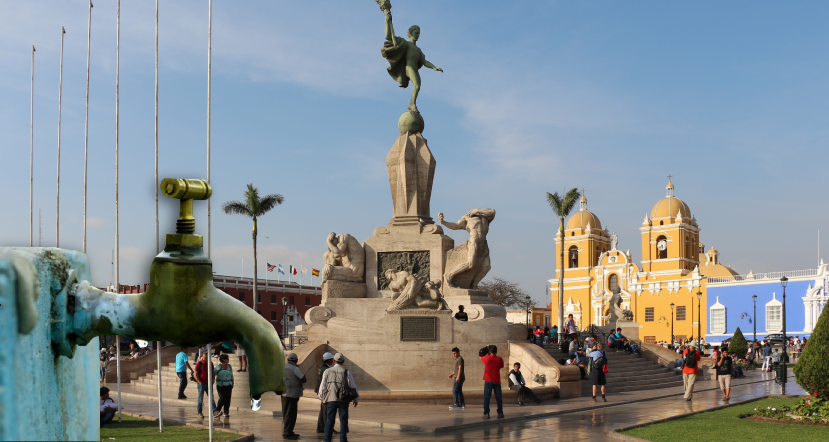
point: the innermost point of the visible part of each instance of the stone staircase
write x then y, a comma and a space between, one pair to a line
170, 381
628, 373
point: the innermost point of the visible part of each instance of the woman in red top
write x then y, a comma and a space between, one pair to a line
689, 373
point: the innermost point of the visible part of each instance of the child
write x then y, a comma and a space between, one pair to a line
775, 358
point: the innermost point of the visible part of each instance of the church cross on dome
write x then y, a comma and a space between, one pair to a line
669, 189
583, 201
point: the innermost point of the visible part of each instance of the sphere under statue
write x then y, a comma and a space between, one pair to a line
411, 122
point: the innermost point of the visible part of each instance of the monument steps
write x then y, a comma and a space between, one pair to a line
628, 373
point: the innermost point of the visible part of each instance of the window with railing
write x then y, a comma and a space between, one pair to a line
680, 313
649, 314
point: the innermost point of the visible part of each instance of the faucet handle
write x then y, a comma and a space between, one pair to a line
191, 189
186, 190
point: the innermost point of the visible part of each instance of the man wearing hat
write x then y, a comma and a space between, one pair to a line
294, 378
327, 362
332, 382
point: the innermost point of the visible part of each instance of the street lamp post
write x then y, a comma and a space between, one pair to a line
783, 282
284, 316
672, 324
699, 319
754, 344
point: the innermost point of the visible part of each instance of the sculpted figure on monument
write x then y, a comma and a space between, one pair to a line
476, 222
617, 313
404, 57
413, 291
344, 260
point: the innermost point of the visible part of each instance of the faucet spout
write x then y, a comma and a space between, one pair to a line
182, 306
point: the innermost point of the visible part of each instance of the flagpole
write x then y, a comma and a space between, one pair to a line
290, 272
209, 61
32, 155
60, 98
117, 119
86, 120
158, 346
300, 274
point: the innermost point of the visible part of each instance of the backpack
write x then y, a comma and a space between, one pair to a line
346, 393
690, 360
601, 363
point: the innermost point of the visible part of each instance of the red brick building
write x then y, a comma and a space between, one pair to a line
298, 299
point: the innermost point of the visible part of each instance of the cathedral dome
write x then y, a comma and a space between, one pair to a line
583, 217
669, 206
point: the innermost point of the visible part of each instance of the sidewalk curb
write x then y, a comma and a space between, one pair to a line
245, 436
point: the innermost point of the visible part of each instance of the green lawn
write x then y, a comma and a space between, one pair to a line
725, 425
139, 430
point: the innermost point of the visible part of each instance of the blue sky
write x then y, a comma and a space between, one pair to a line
731, 99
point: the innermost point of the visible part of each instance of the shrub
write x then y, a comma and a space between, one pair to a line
812, 370
738, 345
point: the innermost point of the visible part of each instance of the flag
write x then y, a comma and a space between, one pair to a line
271, 267
315, 272
292, 270
280, 269
304, 269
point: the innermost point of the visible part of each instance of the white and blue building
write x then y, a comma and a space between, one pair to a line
730, 303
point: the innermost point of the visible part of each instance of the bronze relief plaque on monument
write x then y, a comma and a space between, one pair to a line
418, 328
416, 263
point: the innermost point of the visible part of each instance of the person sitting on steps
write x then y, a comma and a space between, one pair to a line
517, 383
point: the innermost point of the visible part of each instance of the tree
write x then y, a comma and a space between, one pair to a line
503, 292
812, 369
738, 345
253, 207
562, 206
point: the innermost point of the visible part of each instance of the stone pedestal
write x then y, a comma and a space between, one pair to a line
476, 303
629, 329
411, 168
342, 289
417, 249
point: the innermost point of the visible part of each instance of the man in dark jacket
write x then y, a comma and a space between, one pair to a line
327, 362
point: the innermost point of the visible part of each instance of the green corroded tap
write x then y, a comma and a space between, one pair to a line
181, 304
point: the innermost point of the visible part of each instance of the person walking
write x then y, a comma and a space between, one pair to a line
104, 359
517, 383
327, 362
766, 357
333, 381
724, 368
201, 380
182, 364
294, 378
492, 378
224, 385
243, 357
457, 385
690, 364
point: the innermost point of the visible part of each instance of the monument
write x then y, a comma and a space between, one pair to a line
388, 305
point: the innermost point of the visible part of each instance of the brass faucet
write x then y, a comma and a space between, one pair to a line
181, 304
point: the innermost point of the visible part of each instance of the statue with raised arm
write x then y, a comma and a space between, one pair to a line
405, 58
344, 260
477, 263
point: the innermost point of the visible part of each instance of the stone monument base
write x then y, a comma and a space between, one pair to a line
342, 289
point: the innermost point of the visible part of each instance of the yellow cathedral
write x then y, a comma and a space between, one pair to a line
667, 286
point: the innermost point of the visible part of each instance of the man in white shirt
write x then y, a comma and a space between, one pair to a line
517, 383
108, 407
333, 380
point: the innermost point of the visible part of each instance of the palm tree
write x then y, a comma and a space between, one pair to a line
253, 207
562, 207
